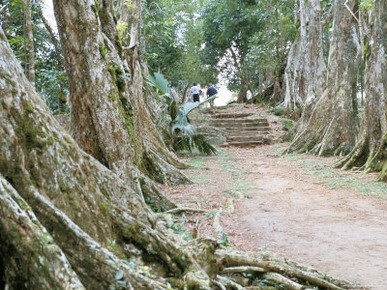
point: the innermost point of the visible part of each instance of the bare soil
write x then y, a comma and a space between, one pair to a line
298, 206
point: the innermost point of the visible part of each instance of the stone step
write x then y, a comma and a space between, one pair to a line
241, 125
244, 138
238, 121
243, 144
230, 115
246, 129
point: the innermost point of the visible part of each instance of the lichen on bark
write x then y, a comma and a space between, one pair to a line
331, 125
370, 152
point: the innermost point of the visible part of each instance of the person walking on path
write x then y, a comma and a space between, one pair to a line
195, 90
211, 91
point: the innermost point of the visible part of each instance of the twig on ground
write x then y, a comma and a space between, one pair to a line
243, 269
217, 226
279, 279
229, 283
185, 209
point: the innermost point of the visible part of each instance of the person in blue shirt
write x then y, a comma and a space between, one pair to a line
211, 91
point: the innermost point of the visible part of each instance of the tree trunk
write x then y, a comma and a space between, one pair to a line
242, 95
81, 203
370, 152
260, 86
31, 49
269, 77
305, 74
36, 261
156, 153
4, 23
333, 124
294, 80
54, 40
185, 92
62, 98
108, 115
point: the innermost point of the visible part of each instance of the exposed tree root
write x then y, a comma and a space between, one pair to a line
279, 266
217, 226
278, 279
263, 96
185, 209
228, 283
34, 252
243, 269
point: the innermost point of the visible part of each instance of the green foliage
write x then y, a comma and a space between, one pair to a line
51, 79
223, 239
179, 133
278, 111
248, 36
160, 82
179, 228
187, 143
174, 39
367, 5
287, 124
121, 28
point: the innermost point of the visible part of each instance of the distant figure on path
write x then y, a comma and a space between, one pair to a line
195, 90
211, 91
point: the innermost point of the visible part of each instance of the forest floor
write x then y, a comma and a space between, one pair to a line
297, 205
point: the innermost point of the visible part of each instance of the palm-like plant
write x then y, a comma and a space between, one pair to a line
179, 133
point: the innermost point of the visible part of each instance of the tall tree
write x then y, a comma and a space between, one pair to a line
31, 49
333, 124
228, 29
69, 204
370, 152
269, 47
173, 33
50, 77
109, 117
305, 73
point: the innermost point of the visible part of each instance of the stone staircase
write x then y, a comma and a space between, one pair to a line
242, 129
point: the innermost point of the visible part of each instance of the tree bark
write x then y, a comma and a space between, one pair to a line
4, 23
108, 115
243, 92
81, 203
156, 153
54, 40
333, 124
294, 79
31, 49
305, 74
370, 152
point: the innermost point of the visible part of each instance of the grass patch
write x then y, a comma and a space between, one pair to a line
238, 178
336, 179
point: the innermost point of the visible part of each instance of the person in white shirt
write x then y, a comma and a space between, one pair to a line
195, 90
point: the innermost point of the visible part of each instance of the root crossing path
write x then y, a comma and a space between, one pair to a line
297, 206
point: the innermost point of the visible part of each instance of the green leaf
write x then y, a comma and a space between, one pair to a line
160, 82
119, 275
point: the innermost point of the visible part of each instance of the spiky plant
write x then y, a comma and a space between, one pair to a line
179, 133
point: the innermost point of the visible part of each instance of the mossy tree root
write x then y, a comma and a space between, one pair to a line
30, 258
278, 269
363, 158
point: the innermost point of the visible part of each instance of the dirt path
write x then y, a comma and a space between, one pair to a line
297, 206
337, 231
